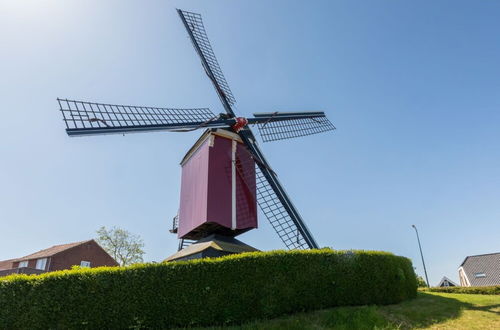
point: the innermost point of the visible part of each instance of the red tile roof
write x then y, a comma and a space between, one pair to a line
51, 251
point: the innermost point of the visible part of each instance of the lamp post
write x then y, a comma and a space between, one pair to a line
421, 254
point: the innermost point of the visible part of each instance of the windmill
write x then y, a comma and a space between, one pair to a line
225, 174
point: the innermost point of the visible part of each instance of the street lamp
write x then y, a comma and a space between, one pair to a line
421, 254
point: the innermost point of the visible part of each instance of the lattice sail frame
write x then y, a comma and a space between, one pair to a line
195, 25
292, 128
82, 115
277, 215
274, 211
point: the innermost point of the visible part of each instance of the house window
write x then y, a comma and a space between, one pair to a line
479, 275
85, 264
23, 264
41, 263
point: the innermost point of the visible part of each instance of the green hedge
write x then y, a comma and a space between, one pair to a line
231, 289
495, 290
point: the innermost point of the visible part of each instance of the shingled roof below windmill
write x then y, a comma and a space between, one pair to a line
480, 270
210, 247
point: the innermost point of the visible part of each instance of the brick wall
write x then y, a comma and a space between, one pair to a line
23, 270
90, 251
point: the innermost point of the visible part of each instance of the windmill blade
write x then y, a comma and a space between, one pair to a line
286, 125
196, 30
88, 118
275, 203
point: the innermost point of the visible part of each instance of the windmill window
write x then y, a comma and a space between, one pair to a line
41, 263
479, 275
23, 264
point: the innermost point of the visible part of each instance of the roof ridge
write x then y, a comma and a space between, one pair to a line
69, 245
477, 255
447, 278
79, 242
485, 254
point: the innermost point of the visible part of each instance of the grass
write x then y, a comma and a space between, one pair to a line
429, 310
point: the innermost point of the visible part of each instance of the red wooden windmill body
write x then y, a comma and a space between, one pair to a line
218, 189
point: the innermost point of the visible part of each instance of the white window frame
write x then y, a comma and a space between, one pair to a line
464, 280
23, 263
480, 275
84, 263
41, 263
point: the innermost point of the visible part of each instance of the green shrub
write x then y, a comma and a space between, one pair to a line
495, 290
231, 289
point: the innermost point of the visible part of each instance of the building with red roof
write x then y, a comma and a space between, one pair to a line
85, 254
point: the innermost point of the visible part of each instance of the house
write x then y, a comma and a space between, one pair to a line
59, 257
480, 270
445, 281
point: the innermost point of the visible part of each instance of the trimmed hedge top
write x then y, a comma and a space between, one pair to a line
230, 289
494, 290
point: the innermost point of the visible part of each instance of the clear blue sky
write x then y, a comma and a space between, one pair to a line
413, 88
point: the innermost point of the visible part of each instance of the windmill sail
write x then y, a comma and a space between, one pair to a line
275, 203
196, 30
287, 125
278, 216
88, 118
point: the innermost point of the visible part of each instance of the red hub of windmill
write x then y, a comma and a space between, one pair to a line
241, 122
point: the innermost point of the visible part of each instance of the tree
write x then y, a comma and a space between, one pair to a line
124, 247
421, 282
